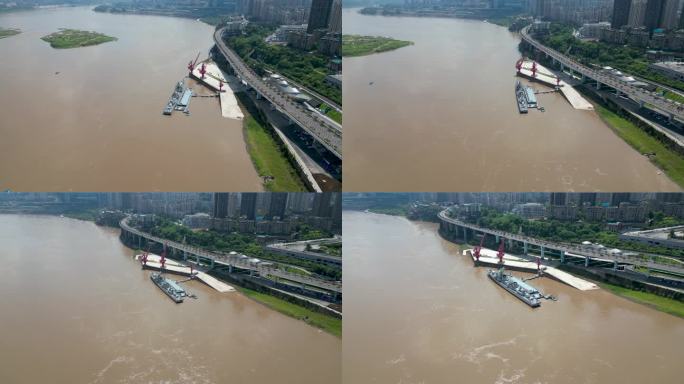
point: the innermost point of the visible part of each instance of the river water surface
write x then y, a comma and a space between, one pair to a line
76, 308
89, 119
441, 116
417, 311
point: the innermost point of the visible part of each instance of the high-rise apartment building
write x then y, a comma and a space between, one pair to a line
319, 15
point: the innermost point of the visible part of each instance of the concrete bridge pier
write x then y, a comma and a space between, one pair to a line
197, 260
185, 256
586, 261
562, 255
641, 104
465, 234
598, 85
542, 251
615, 265
496, 237
671, 117
230, 268
139, 242
524, 247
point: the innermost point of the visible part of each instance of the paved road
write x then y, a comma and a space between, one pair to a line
636, 93
328, 133
236, 261
568, 248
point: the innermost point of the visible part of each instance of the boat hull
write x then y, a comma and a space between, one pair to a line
531, 303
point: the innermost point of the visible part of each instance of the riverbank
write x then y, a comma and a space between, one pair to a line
358, 45
270, 162
326, 323
285, 303
74, 38
663, 304
669, 161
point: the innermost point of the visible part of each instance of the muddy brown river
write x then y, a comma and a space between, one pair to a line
417, 311
89, 119
441, 116
76, 308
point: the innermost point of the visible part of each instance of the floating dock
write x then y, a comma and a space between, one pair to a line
488, 258
173, 266
545, 76
213, 77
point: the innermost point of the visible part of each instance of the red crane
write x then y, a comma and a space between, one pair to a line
519, 64
191, 64
534, 69
220, 85
479, 248
500, 254
538, 264
557, 81
144, 259
203, 70
162, 261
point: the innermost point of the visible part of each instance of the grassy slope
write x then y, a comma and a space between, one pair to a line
355, 45
660, 303
666, 159
268, 159
8, 32
71, 38
329, 324
332, 113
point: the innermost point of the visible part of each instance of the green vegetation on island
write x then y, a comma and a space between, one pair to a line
327, 323
266, 153
357, 45
73, 38
306, 68
628, 59
7, 32
91, 214
667, 159
664, 304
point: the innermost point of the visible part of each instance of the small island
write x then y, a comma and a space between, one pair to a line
73, 38
357, 45
7, 32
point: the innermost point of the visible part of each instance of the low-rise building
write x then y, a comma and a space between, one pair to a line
671, 69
